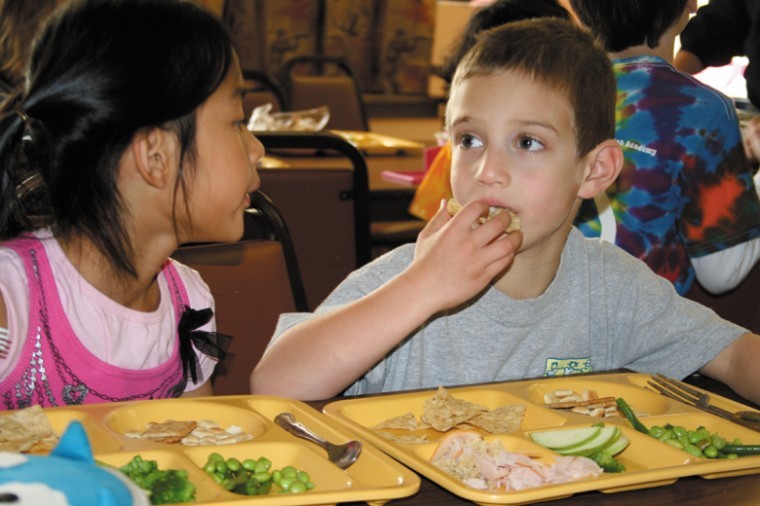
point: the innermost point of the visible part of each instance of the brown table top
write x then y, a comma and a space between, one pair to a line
376, 164
735, 491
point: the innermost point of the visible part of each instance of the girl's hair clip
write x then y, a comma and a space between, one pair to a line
29, 185
21, 113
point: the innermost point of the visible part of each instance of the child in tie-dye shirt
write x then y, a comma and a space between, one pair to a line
685, 202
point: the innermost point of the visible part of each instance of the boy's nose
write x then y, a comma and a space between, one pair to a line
493, 169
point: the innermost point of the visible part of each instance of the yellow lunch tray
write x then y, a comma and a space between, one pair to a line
648, 462
371, 143
374, 478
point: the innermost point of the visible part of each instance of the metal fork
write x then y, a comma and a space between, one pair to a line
680, 391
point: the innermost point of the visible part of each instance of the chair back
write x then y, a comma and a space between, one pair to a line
315, 80
253, 281
327, 209
261, 89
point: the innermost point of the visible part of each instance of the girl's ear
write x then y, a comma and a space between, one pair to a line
604, 163
152, 151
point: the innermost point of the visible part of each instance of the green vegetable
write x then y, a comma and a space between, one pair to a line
741, 449
255, 477
701, 443
607, 462
163, 486
627, 412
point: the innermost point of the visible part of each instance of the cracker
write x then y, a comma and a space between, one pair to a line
27, 430
443, 411
405, 439
501, 420
170, 431
406, 421
453, 207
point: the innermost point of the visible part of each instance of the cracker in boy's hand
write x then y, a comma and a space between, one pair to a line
453, 207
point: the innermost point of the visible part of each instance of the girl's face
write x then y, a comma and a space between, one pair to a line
514, 146
225, 165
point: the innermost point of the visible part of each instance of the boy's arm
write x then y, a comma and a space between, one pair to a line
737, 367
453, 261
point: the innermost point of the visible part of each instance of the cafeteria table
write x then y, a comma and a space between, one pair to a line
691, 491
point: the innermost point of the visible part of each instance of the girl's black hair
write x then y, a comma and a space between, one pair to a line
621, 24
101, 71
497, 14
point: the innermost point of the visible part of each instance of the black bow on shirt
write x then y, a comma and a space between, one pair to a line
213, 344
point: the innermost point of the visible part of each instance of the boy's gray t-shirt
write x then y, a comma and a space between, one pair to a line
604, 310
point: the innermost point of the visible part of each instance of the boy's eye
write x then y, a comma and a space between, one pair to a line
467, 141
529, 143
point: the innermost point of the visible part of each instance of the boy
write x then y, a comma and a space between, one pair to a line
685, 202
531, 117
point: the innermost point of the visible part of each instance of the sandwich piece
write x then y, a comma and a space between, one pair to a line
453, 207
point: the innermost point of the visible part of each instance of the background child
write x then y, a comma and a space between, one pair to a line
685, 202
127, 140
531, 118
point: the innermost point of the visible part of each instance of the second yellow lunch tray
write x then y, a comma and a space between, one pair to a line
648, 462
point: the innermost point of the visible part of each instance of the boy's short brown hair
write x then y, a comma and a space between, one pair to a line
557, 54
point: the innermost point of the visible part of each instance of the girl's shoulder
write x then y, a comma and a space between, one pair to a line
197, 289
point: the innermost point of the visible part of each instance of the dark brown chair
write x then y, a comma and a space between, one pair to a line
261, 89
327, 209
315, 80
253, 281
740, 305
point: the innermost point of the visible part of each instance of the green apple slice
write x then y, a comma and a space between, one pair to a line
618, 446
606, 438
566, 439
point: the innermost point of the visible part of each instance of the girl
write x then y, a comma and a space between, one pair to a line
127, 140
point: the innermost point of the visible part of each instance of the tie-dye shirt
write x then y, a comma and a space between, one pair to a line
686, 186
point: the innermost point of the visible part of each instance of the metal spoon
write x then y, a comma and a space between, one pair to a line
341, 455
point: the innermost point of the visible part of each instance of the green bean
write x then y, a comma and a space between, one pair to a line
286, 482
718, 442
693, 450
710, 452
742, 449
262, 477
701, 443
234, 465
263, 465
675, 443
255, 477
297, 487
249, 464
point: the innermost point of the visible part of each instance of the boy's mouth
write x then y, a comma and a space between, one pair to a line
453, 207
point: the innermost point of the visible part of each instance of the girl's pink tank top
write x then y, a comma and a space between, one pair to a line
56, 369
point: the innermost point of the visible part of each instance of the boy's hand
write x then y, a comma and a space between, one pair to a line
456, 257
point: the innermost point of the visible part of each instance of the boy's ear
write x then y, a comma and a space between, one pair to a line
604, 163
152, 153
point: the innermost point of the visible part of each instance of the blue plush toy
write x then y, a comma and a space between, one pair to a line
68, 476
